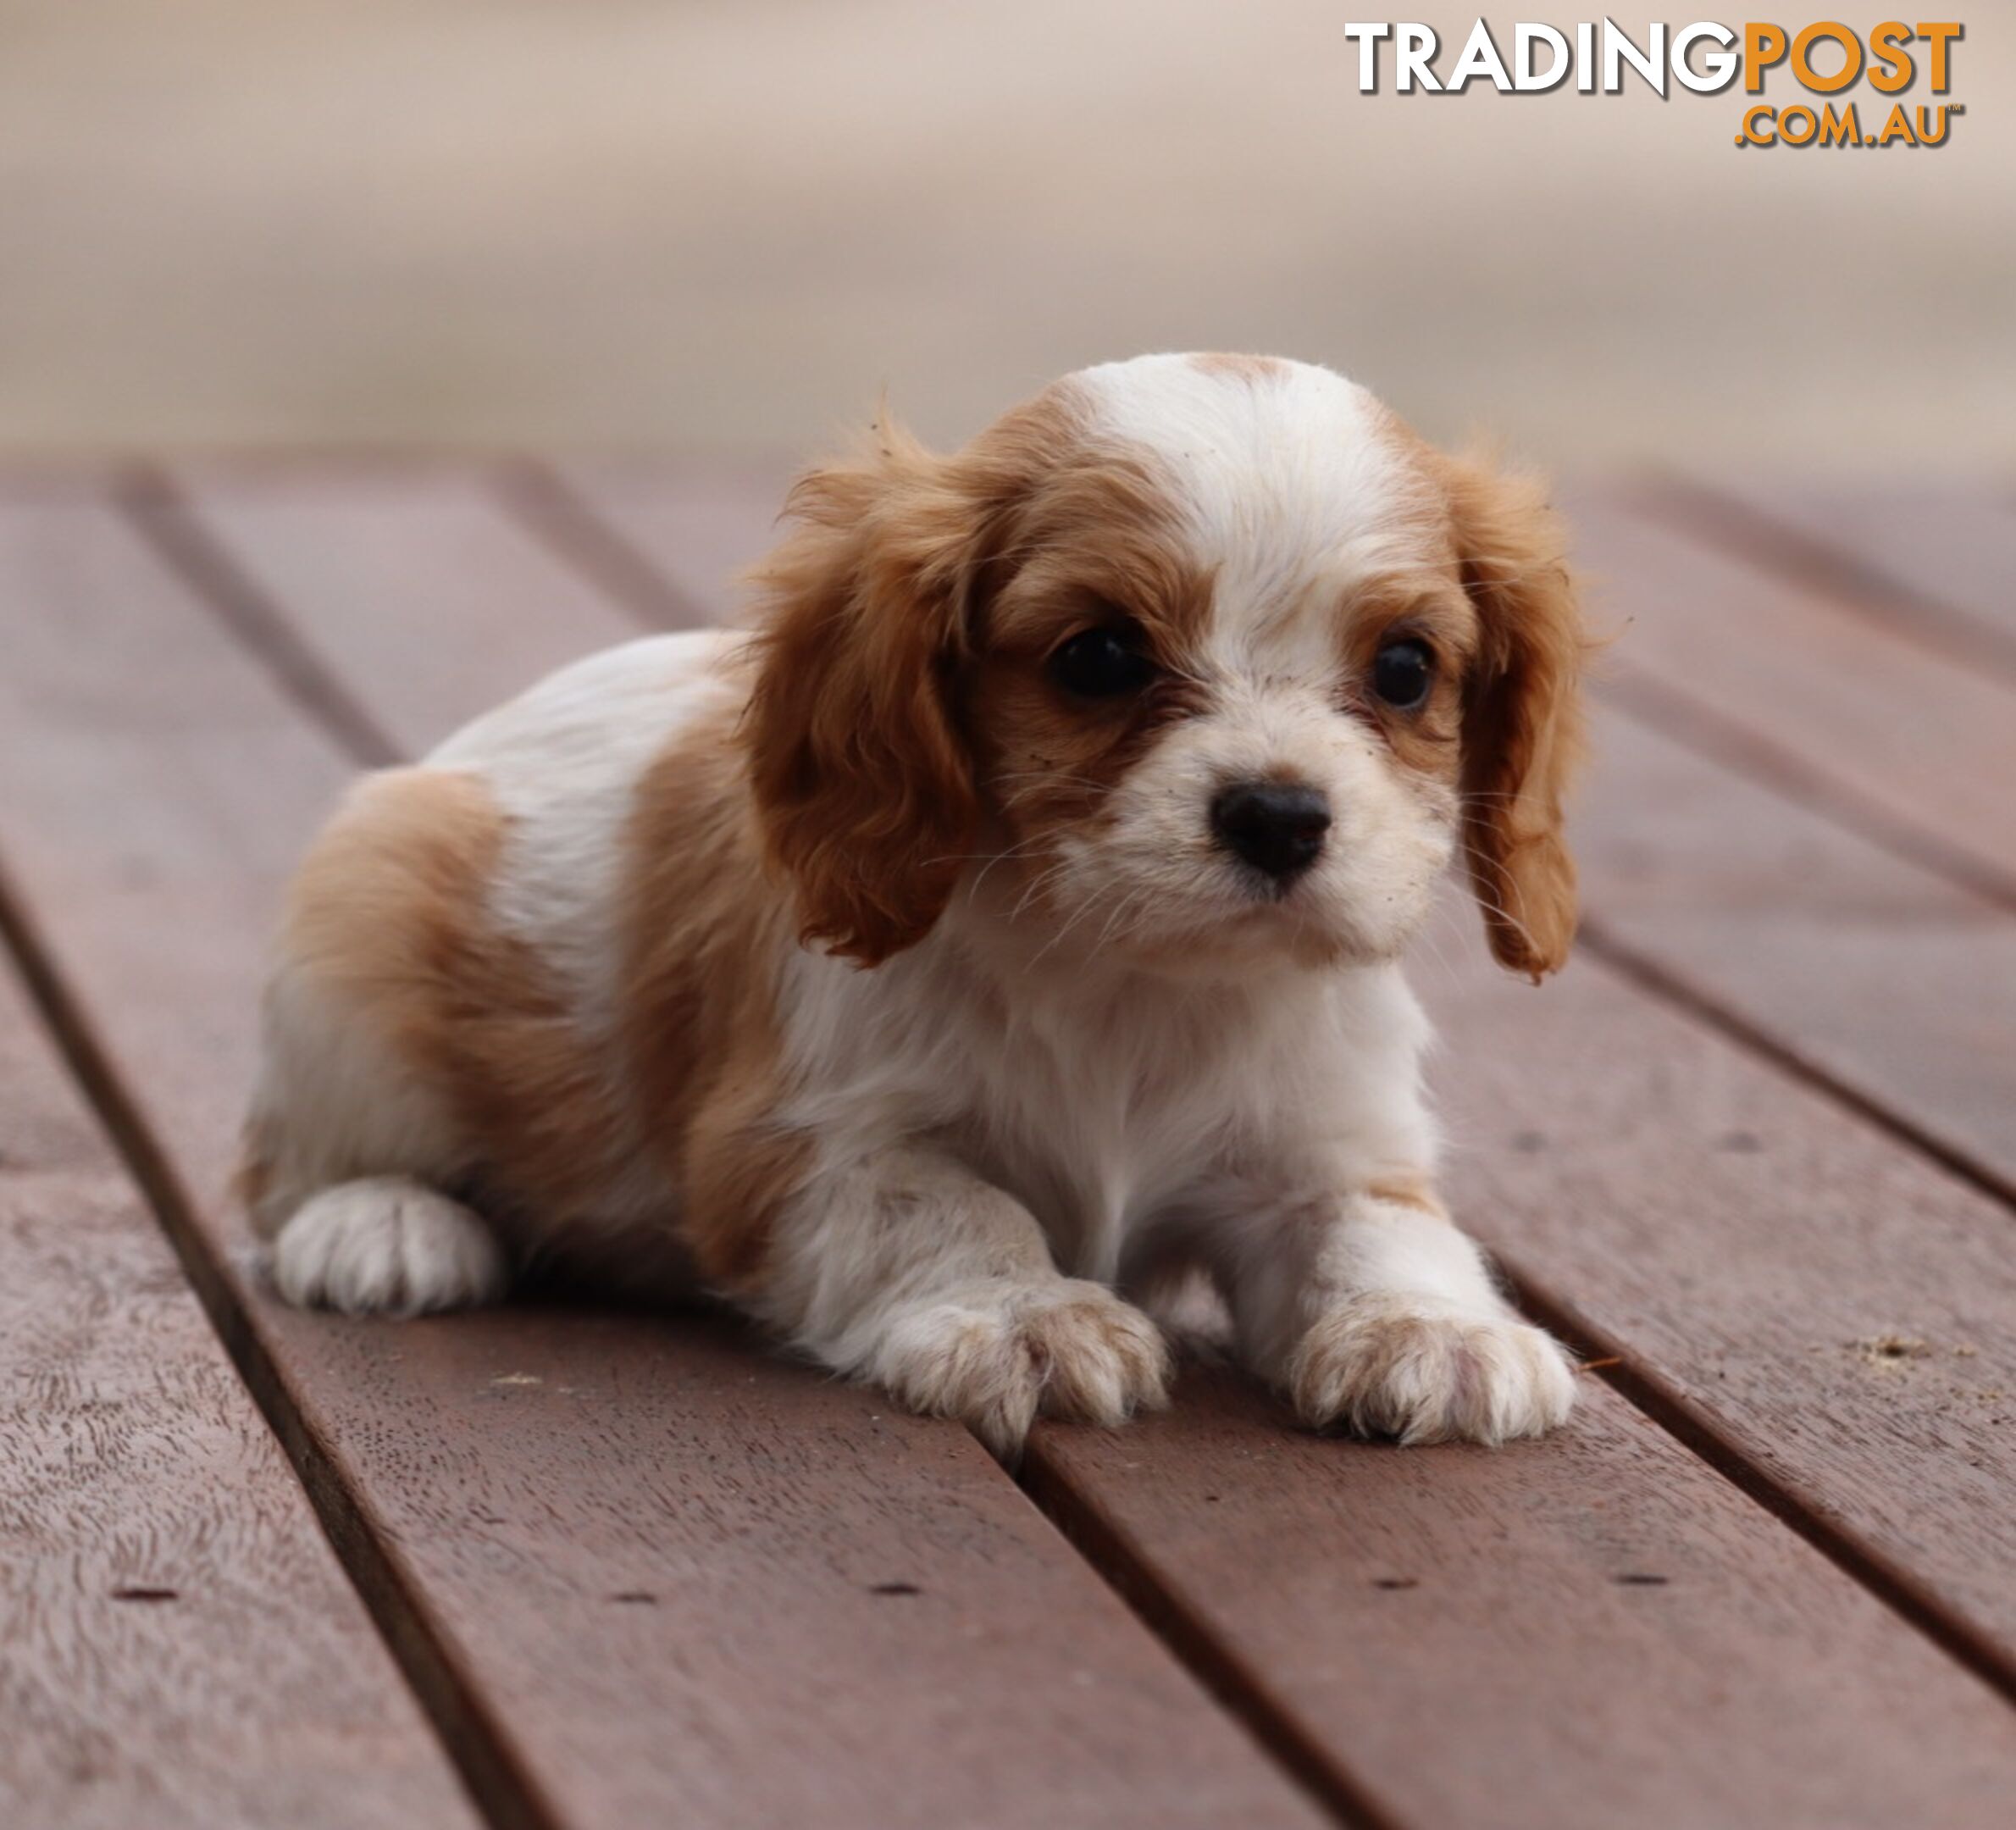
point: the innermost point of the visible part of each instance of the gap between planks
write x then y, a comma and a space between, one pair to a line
1771, 544
152, 502
507, 1795
1675, 989
1608, 1360
505, 1791
1232, 1682
1677, 714
1741, 537
561, 520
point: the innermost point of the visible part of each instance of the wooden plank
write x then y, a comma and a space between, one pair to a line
1824, 1742
1888, 978
645, 1572
1587, 1634
179, 1646
1883, 728
1936, 558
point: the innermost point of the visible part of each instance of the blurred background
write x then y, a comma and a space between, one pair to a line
610, 225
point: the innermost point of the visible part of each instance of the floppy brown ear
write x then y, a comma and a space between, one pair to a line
1522, 728
862, 780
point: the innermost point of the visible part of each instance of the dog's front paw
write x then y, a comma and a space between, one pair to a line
1425, 1370
995, 1358
387, 1245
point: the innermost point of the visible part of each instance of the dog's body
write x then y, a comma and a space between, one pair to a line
1093, 743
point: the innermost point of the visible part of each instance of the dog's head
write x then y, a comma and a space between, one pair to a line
1200, 658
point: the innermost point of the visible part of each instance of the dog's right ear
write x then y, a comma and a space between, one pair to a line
863, 778
1522, 731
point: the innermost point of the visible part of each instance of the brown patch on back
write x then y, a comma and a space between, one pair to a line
703, 935
388, 915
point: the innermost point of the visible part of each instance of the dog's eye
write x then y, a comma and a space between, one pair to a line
1402, 672
1103, 662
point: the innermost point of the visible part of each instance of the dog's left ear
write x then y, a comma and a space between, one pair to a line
1522, 725
861, 775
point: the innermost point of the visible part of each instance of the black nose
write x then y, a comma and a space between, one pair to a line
1276, 827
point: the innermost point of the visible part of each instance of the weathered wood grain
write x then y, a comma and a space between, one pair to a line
511, 1487
1820, 1716
178, 1644
1869, 720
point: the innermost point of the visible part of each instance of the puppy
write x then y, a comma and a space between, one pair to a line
1006, 927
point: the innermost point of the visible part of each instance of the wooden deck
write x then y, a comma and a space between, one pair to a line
543, 1567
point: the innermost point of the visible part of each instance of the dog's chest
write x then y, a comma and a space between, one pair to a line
1099, 1128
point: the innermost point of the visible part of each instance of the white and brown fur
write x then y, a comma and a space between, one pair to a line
851, 970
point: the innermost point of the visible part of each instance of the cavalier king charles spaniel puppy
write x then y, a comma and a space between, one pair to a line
1004, 929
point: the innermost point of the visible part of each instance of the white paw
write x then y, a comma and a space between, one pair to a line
387, 1245
1425, 1370
997, 1355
